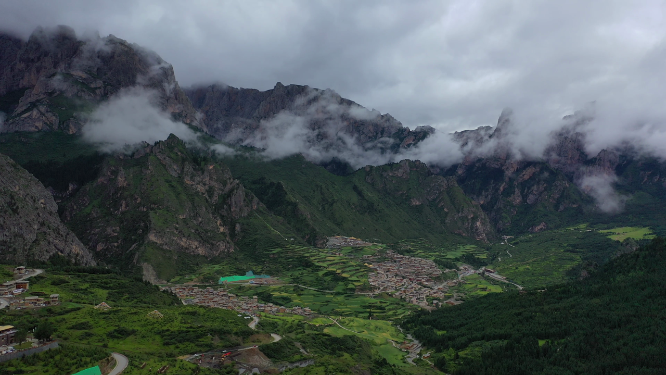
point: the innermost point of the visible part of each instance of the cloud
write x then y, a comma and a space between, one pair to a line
438, 149
132, 117
222, 150
3, 116
290, 133
453, 64
600, 187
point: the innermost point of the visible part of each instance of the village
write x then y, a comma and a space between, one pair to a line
220, 298
408, 278
337, 242
11, 296
11, 291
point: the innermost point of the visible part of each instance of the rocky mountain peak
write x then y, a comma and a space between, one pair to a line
52, 80
504, 123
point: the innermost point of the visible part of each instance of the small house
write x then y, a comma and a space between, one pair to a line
103, 306
7, 334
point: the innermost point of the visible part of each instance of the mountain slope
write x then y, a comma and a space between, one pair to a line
163, 209
30, 229
387, 203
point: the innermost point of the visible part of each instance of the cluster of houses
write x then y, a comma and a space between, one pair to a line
34, 301
18, 285
12, 290
341, 241
408, 278
220, 298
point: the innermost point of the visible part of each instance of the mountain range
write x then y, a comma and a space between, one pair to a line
245, 169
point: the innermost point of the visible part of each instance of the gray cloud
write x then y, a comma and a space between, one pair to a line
131, 117
453, 64
600, 187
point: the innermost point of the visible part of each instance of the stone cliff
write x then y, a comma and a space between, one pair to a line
30, 229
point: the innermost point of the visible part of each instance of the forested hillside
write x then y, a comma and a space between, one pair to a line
613, 322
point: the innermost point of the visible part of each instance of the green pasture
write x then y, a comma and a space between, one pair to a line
477, 286
622, 233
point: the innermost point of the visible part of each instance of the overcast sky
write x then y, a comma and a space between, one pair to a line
451, 64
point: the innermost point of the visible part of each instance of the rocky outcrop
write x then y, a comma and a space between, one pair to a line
161, 200
30, 228
51, 81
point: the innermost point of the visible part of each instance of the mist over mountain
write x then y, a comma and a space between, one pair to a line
118, 94
383, 162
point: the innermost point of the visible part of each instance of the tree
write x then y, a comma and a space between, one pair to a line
44, 330
440, 363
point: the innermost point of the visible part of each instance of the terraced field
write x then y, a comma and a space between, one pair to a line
477, 286
440, 254
379, 332
346, 305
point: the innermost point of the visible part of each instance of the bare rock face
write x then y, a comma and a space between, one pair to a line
30, 228
158, 203
51, 81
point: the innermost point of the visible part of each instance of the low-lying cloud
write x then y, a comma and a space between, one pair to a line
130, 117
600, 187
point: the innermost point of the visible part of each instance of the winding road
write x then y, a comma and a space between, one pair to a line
121, 363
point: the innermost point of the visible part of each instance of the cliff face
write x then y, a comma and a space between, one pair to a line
520, 193
160, 202
30, 228
52, 80
328, 121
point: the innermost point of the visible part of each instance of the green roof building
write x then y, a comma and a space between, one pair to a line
90, 371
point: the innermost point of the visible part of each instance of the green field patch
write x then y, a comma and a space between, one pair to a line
393, 355
622, 233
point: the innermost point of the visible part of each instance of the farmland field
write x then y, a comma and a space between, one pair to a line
622, 233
